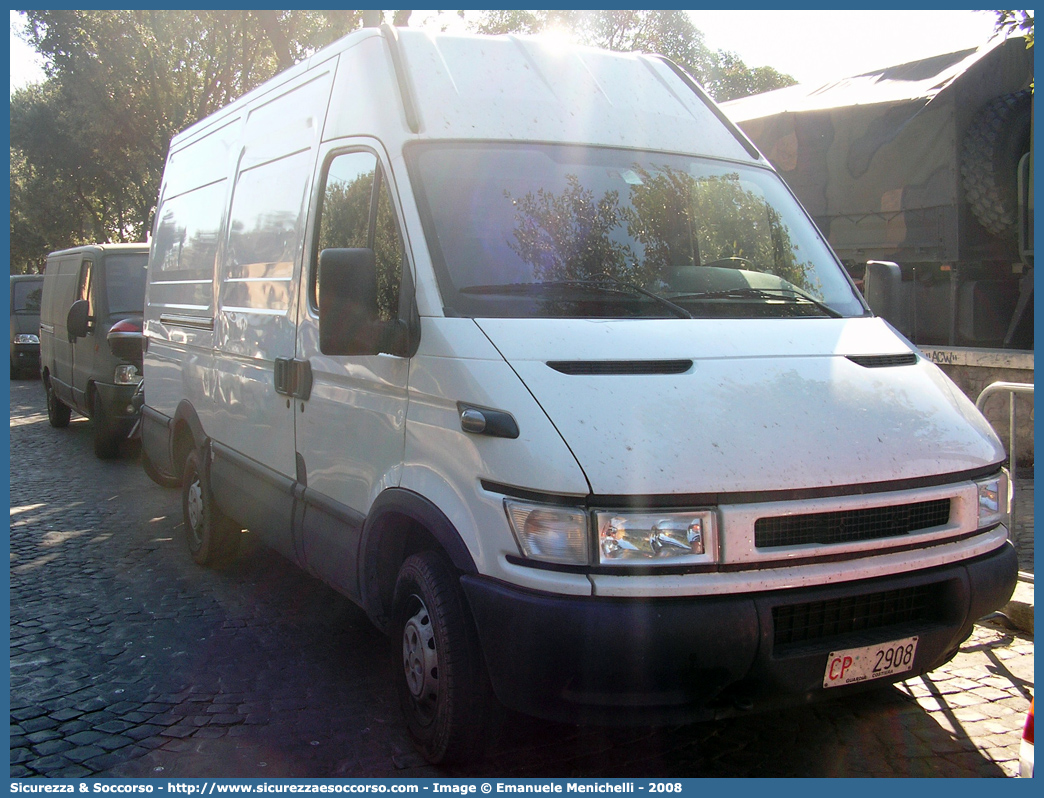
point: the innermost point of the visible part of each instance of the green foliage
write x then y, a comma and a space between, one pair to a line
346, 213
731, 78
495, 23
678, 219
566, 236
670, 33
1015, 23
345, 222
687, 221
88, 146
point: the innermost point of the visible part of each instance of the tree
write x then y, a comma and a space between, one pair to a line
1011, 23
567, 236
88, 146
674, 220
497, 23
668, 33
731, 78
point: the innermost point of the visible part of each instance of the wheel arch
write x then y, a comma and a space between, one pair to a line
401, 523
186, 434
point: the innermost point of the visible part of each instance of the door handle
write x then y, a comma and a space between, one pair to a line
293, 377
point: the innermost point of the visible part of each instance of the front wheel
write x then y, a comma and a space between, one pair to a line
442, 683
213, 538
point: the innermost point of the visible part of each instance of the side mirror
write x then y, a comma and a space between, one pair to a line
348, 314
77, 322
882, 287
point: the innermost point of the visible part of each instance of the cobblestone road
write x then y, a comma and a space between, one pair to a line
129, 660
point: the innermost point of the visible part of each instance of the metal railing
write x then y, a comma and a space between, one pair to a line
1011, 388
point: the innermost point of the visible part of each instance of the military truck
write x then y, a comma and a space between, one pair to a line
924, 171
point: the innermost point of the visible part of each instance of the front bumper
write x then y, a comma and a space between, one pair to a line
119, 406
26, 357
615, 660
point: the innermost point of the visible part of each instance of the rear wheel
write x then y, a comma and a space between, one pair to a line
213, 538
442, 683
58, 413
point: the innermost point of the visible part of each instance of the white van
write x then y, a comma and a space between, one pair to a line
528, 351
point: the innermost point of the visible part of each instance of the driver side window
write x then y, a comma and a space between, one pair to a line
356, 212
86, 271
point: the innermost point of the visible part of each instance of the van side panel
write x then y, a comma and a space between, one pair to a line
222, 300
256, 317
179, 299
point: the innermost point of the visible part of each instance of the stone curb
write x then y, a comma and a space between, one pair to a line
1019, 610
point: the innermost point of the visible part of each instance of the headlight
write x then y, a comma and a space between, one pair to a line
27, 338
994, 500
126, 375
651, 538
548, 533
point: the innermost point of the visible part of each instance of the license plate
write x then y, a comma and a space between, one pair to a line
853, 665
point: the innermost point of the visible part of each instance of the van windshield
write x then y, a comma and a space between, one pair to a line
25, 295
125, 282
521, 230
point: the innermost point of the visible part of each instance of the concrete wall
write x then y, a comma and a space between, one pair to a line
974, 369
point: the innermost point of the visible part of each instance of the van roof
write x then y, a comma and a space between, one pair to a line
525, 88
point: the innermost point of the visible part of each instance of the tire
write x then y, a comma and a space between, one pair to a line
443, 687
213, 538
996, 140
58, 413
154, 473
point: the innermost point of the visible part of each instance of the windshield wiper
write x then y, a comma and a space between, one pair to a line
609, 285
786, 294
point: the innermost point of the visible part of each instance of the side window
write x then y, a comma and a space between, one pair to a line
388, 248
356, 211
84, 292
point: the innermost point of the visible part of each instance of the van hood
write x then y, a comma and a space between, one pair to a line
774, 404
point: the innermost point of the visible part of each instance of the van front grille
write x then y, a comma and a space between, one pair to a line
816, 620
850, 525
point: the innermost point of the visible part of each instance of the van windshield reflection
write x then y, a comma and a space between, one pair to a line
522, 230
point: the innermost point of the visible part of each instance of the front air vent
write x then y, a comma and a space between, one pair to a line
820, 620
883, 361
577, 368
